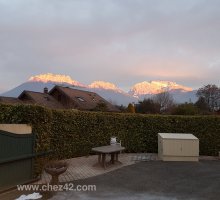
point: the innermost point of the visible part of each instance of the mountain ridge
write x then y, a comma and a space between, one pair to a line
107, 90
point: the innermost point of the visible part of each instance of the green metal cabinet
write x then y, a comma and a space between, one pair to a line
16, 158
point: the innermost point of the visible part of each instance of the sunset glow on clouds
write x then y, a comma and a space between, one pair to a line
120, 41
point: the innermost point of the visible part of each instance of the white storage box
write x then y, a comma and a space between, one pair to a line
178, 147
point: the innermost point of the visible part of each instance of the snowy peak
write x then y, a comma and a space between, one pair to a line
154, 87
169, 85
55, 78
104, 85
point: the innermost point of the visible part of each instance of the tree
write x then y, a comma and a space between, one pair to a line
202, 106
101, 106
130, 108
185, 109
121, 108
165, 100
148, 106
211, 94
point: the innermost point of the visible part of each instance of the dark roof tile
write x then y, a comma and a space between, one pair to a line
86, 100
41, 99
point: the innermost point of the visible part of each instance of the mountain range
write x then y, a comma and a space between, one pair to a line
107, 90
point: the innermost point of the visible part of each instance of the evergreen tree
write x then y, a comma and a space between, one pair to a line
130, 108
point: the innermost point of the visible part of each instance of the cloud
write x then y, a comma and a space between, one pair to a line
118, 41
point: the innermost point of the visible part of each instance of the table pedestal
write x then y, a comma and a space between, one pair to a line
102, 159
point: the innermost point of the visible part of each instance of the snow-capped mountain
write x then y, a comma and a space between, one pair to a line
112, 93
104, 85
39, 82
180, 93
55, 78
155, 87
107, 90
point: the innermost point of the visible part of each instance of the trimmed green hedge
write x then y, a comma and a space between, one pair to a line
72, 133
78, 132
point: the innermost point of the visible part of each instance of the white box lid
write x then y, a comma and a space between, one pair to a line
182, 136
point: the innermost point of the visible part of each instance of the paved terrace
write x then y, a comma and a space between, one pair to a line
85, 167
138, 180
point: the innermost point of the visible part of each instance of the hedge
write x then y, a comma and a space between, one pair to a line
71, 133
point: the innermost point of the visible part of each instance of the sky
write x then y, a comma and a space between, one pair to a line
120, 41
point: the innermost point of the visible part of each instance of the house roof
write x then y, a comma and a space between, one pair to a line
85, 100
42, 99
10, 100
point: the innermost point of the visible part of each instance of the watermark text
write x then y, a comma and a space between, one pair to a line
57, 188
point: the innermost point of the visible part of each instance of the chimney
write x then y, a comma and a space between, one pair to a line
46, 90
